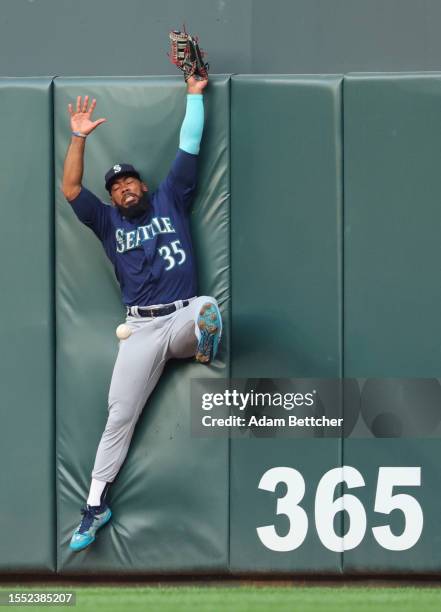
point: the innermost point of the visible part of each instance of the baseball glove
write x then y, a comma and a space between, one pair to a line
187, 56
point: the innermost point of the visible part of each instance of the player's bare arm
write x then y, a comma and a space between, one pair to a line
196, 86
82, 125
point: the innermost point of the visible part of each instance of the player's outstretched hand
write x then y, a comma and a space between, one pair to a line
81, 118
196, 86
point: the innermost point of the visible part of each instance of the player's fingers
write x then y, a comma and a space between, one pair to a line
79, 104
70, 109
99, 122
85, 104
92, 106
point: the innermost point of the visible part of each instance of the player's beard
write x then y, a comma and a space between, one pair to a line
136, 210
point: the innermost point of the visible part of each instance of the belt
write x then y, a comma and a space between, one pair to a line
145, 311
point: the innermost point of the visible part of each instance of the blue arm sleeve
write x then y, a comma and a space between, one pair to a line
181, 180
193, 124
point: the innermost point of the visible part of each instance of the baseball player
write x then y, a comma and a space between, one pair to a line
147, 239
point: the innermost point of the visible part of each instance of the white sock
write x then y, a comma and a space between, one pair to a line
96, 490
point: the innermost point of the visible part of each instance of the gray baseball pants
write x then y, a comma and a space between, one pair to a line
138, 367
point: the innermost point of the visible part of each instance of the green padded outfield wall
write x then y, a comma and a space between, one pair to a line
286, 289
27, 477
170, 500
392, 251
176, 495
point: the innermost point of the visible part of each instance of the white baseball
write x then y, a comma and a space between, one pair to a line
123, 331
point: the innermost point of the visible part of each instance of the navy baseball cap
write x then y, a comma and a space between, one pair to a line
120, 170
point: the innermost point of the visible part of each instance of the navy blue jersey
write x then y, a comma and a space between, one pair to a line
152, 255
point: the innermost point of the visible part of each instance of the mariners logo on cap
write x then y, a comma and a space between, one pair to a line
117, 168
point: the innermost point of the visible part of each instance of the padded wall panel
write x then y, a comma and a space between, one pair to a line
170, 500
392, 295
27, 510
392, 219
375, 555
286, 282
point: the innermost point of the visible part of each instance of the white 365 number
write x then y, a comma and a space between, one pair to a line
166, 253
386, 501
327, 506
287, 505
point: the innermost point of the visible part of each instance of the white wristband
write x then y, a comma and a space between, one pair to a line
80, 134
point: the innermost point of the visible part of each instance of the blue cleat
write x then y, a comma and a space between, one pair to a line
210, 326
94, 517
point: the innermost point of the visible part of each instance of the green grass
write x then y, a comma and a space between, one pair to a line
245, 599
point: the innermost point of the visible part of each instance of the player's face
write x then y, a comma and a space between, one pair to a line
127, 191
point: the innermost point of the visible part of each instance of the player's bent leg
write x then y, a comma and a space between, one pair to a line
183, 340
197, 330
